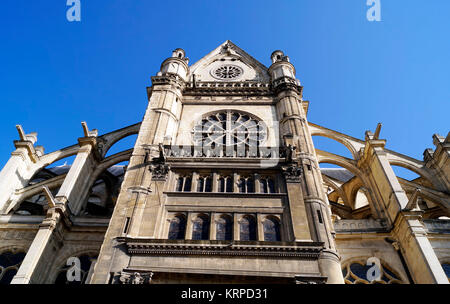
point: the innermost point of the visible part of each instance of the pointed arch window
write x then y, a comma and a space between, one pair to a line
271, 230
247, 228
177, 228
200, 229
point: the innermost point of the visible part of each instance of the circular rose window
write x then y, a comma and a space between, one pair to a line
227, 72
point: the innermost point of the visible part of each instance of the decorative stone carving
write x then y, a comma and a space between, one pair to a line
159, 168
159, 171
290, 150
136, 278
292, 173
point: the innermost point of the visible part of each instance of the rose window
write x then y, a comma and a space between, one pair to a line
227, 72
229, 128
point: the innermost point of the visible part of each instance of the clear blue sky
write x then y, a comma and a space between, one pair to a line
55, 74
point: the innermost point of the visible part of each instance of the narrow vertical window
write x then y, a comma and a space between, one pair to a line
319, 216
221, 185
201, 184
264, 188
180, 183
187, 184
200, 229
248, 228
250, 185
271, 185
177, 228
241, 185
272, 230
208, 184
229, 184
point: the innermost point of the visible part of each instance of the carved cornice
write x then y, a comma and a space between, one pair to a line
244, 88
286, 83
151, 247
169, 78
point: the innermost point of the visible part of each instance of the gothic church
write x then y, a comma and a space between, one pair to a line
224, 185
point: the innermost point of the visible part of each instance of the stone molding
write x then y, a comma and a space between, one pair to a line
155, 247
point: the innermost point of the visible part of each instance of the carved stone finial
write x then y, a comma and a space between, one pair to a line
87, 132
377, 131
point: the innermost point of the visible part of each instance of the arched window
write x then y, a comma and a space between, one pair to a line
357, 273
85, 265
177, 229
200, 229
10, 262
248, 228
263, 186
208, 184
221, 185
267, 185
271, 185
229, 184
242, 185
224, 228
180, 183
204, 184
187, 184
250, 185
272, 230
184, 184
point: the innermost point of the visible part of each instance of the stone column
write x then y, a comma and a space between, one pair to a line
141, 197
308, 202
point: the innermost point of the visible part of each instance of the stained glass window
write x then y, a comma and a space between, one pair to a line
177, 228
224, 228
200, 230
9, 265
248, 229
272, 230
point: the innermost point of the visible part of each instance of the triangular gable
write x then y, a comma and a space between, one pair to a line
228, 62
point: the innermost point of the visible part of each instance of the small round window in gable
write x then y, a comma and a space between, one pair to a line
227, 72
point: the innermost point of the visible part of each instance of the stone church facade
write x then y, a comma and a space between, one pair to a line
223, 185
